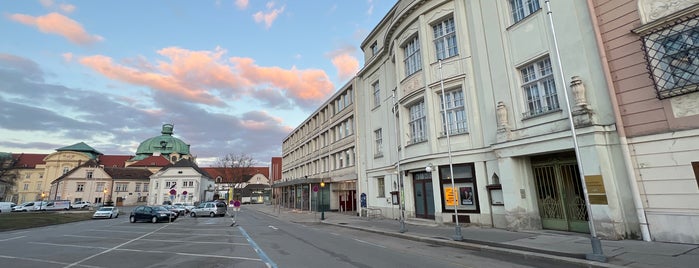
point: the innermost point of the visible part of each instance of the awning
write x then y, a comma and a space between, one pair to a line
298, 182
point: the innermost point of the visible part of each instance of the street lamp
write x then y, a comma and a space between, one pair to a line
322, 208
104, 201
447, 126
41, 204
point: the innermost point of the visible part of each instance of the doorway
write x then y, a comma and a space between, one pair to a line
423, 195
560, 195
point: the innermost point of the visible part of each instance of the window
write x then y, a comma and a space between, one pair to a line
522, 8
445, 39
417, 122
145, 187
377, 94
38, 186
65, 170
27, 176
138, 187
168, 183
81, 187
122, 187
455, 113
100, 187
374, 48
380, 187
695, 167
89, 174
539, 87
378, 143
26, 187
672, 54
413, 60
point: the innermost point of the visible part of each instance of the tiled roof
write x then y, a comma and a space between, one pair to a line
228, 173
152, 161
29, 160
114, 160
120, 173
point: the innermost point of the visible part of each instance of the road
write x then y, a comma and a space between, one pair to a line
257, 240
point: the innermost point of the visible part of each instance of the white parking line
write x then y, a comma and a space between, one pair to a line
369, 243
44, 261
13, 238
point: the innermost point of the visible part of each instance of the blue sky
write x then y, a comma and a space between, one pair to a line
233, 76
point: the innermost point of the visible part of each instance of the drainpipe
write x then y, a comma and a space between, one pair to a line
638, 203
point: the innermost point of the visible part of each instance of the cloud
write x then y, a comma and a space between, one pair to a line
66, 8
208, 78
346, 64
67, 57
370, 10
241, 4
270, 16
58, 24
21, 67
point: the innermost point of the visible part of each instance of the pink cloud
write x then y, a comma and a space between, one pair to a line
67, 8
269, 17
195, 75
347, 65
241, 4
68, 57
164, 83
306, 85
55, 23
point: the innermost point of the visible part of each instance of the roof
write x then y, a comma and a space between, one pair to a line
164, 144
184, 162
29, 160
152, 161
81, 147
114, 160
227, 174
128, 173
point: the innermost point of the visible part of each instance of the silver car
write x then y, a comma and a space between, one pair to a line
106, 213
212, 209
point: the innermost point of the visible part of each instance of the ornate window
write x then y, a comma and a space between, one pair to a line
672, 53
445, 38
412, 58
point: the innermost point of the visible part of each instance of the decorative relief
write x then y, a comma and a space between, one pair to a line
651, 10
412, 84
501, 112
685, 105
576, 85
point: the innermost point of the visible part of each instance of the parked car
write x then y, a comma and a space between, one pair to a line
81, 205
6, 206
181, 211
54, 205
212, 209
152, 214
187, 206
106, 212
28, 206
182, 206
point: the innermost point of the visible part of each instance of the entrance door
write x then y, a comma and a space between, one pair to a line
423, 195
560, 196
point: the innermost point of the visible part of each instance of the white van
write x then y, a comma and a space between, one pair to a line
54, 205
26, 206
6, 206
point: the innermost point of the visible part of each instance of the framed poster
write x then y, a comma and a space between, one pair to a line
466, 195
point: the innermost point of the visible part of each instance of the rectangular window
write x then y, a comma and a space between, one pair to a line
445, 39
522, 8
167, 184
455, 112
380, 187
145, 187
122, 187
38, 186
413, 59
539, 87
672, 54
100, 187
65, 170
374, 48
81, 187
417, 123
378, 143
377, 94
26, 187
138, 187
89, 174
27, 176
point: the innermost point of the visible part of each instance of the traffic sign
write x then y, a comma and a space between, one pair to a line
315, 188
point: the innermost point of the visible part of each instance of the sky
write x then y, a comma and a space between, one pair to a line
232, 76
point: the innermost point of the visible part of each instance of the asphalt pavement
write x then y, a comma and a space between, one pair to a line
568, 248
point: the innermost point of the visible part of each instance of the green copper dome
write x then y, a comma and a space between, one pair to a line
164, 144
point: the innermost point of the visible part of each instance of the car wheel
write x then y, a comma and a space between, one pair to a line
212, 214
117, 216
194, 215
154, 220
132, 219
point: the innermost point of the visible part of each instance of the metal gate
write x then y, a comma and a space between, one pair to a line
560, 196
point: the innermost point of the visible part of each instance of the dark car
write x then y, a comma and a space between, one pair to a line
152, 213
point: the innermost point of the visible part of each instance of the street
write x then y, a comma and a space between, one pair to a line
257, 240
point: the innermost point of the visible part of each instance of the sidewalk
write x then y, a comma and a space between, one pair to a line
568, 248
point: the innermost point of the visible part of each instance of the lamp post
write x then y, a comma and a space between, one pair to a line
41, 203
322, 208
597, 254
104, 201
457, 230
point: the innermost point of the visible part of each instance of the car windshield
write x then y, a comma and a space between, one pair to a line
161, 208
105, 209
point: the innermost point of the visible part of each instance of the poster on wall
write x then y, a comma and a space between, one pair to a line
464, 196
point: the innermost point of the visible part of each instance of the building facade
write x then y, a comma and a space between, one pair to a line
651, 53
319, 163
181, 182
505, 155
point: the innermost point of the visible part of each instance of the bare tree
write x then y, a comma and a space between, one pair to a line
8, 174
237, 169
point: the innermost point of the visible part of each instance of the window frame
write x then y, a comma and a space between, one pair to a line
417, 123
453, 112
412, 58
380, 187
378, 142
443, 36
538, 84
526, 8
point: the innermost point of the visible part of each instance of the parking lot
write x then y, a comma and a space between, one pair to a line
187, 242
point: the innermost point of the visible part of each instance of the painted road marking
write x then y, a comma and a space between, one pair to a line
259, 251
13, 238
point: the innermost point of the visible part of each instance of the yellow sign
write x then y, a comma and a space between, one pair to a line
450, 196
595, 184
598, 199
